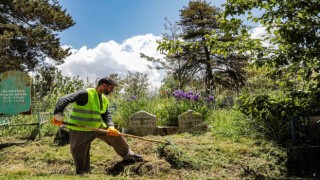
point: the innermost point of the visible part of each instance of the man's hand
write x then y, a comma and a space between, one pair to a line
112, 131
57, 120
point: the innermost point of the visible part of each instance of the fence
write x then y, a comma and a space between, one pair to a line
41, 118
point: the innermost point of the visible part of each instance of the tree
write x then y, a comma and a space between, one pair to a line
28, 33
117, 89
44, 80
198, 20
172, 63
175, 68
49, 84
136, 84
295, 30
295, 58
292, 62
211, 47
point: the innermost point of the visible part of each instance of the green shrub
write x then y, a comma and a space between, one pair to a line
269, 113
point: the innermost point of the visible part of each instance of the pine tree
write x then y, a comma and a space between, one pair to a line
215, 48
28, 33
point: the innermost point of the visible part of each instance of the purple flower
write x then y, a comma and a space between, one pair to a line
179, 94
194, 97
133, 97
189, 95
210, 99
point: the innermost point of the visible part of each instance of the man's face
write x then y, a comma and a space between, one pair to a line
108, 89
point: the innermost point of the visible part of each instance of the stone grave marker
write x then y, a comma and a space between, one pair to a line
15, 93
191, 121
142, 123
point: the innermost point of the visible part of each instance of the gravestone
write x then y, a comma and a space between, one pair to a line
143, 123
191, 121
15, 93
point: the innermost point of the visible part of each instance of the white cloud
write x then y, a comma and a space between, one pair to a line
258, 32
261, 33
111, 57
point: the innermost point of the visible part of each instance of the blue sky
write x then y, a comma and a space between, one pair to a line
109, 36
103, 20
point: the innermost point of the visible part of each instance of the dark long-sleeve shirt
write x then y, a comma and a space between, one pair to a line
81, 98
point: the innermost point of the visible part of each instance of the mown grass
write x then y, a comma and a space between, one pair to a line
209, 155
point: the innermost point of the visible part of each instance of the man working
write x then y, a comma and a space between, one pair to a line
90, 108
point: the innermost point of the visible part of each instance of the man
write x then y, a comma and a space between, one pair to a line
90, 108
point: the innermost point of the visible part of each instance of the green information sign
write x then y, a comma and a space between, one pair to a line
15, 93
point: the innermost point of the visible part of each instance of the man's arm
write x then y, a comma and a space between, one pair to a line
80, 97
107, 118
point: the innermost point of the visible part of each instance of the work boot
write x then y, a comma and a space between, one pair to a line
133, 158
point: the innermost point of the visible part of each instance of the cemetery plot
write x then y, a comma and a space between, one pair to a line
143, 123
190, 121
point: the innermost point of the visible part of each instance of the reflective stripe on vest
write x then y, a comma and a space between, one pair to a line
89, 114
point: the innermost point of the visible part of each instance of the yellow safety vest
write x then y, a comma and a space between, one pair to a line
89, 114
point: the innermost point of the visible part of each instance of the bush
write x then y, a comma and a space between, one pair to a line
268, 113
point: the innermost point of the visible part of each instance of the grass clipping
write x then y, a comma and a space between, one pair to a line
174, 156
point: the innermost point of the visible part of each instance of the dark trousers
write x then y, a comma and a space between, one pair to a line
80, 142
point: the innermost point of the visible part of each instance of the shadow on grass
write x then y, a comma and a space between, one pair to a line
119, 168
61, 137
249, 173
5, 145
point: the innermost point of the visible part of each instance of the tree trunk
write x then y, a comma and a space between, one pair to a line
209, 74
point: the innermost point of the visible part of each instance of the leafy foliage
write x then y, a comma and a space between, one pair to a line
135, 84
295, 29
213, 50
27, 33
178, 75
293, 61
49, 84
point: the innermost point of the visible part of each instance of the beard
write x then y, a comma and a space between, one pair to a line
105, 92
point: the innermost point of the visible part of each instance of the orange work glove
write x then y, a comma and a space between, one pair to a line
112, 131
57, 120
